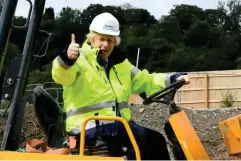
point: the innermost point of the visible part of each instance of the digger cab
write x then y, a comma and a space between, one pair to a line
185, 142
60, 143
51, 117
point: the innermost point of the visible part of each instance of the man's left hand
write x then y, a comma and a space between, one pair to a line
184, 77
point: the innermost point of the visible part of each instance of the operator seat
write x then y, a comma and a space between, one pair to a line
51, 117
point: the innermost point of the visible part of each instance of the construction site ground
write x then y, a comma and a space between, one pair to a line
204, 121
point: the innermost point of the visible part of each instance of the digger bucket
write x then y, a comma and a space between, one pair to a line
231, 133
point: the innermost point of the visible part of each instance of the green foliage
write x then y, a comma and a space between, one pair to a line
215, 17
186, 14
1, 5
169, 29
228, 100
69, 15
198, 34
49, 14
238, 61
189, 38
176, 61
12, 53
90, 12
40, 75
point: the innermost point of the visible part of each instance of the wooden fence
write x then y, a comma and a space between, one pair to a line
207, 90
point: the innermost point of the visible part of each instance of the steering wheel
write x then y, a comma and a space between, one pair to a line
165, 95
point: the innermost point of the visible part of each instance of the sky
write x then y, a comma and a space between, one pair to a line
155, 7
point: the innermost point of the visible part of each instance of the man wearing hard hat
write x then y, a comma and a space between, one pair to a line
97, 79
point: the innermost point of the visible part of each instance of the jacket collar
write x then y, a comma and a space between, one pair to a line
90, 51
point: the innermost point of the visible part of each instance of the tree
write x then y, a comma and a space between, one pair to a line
187, 39
169, 28
126, 6
181, 60
186, 14
68, 15
158, 54
1, 5
12, 53
215, 17
198, 34
41, 75
233, 18
67, 22
90, 12
135, 16
216, 34
238, 61
49, 14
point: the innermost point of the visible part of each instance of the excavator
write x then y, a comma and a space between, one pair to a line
185, 143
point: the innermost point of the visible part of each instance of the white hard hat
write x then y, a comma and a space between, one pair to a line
105, 23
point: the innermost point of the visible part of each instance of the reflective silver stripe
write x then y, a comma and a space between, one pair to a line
122, 105
90, 108
134, 70
61, 63
89, 125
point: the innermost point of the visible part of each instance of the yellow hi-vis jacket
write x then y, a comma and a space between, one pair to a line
89, 89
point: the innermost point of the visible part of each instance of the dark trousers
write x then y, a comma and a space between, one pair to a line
152, 144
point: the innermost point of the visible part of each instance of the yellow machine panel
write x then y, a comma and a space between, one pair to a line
6, 155
230, 130
10, 155
187, 137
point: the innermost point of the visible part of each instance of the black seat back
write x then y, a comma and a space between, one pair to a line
50, 116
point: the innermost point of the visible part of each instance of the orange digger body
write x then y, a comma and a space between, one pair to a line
187, 137
7, 155
179, 130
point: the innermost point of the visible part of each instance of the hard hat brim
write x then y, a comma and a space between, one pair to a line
107, 32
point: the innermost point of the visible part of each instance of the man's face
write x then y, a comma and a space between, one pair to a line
106, 44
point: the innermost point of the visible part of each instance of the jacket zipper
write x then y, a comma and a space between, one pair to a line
101, 73
114, 108
117, 75
114, 69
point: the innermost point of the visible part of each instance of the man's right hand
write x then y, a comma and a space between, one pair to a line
73, 50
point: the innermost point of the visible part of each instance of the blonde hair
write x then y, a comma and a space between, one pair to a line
90, 36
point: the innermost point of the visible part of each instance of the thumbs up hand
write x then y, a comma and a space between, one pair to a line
73, 50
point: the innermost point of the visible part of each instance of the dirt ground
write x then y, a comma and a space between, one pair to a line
204, 121
153, 116
30, 129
